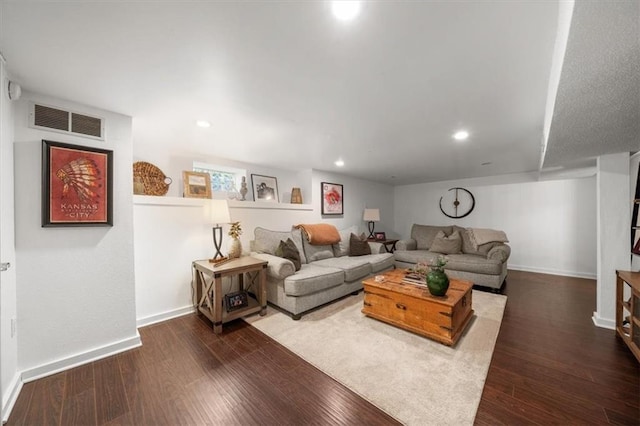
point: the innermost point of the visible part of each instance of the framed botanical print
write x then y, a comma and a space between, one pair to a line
332, 198
77, 185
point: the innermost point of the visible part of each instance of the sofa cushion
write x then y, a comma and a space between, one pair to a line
380, 262
267, 241
447, 245
425, 234
358, 246
288, 250
473, 263
415, 256
342, 247
468, 245
314, 252
354, 268
312, 279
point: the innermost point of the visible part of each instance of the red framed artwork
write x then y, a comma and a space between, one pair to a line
332, 198
77, 187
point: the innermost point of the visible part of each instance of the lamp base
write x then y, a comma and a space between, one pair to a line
371, 226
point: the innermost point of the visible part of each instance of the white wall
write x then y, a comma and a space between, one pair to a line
551, 225
170, 233
76, 296
9, 376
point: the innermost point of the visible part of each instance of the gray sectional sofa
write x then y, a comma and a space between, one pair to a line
484, 264
327, 272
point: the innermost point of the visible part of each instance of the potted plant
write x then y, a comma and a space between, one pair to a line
235, 250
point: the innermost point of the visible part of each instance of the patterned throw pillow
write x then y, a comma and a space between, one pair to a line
447, 245
288, 250
358, 246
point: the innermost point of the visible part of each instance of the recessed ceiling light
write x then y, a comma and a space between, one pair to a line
203, 123
461, 135
339, 163
345, 10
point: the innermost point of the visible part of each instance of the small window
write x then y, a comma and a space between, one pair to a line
223, 178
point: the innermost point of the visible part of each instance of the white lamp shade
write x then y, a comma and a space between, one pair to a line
371, 215
219, 212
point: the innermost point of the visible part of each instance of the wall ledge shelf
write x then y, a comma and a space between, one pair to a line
199, 202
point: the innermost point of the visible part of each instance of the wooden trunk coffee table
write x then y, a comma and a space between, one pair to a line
413, 308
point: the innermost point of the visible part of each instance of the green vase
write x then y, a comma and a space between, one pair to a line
438, 283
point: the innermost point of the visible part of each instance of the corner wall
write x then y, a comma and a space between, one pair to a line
76, 293
551, 225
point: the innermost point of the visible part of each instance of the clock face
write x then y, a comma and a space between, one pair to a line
457, 203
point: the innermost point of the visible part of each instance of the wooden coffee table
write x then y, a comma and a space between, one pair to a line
413, 308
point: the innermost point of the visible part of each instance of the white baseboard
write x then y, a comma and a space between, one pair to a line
552, 272
81, 358
9, 399
603, 322
152, 319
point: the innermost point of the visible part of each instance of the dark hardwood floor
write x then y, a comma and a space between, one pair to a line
550, 366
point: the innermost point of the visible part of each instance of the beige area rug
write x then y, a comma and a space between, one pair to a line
414, 379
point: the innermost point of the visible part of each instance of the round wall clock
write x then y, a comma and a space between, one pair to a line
457, 203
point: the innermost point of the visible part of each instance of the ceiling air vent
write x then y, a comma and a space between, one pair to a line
50, 118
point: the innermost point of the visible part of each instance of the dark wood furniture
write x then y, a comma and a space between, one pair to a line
389, 245
628, 311
208, 288
413, 308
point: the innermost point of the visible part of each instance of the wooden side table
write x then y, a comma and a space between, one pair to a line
389, 245
208, 289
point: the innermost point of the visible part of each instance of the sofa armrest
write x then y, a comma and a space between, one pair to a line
410, 244
376, 248
278, 267
499, 252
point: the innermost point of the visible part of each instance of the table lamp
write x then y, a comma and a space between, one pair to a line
371, 216
218, 213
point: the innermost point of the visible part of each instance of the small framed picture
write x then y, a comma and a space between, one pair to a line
380, 236
332, 198
237, 300
265, 188
196, 184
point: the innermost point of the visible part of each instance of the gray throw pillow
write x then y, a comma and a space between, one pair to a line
447, 245
288, 250
358, 246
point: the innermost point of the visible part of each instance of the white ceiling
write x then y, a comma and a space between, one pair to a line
285, 84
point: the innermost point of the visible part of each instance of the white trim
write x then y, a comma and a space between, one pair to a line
81, 358
152, 319
552, 271
201, 202
14, 390
603, 322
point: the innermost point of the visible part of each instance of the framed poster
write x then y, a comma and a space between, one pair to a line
196, 184
332, 198
77, 185
265, 188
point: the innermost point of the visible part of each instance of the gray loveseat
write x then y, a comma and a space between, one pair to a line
484, 264
327, 272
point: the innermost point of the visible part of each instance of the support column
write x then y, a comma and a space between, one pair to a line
613, 227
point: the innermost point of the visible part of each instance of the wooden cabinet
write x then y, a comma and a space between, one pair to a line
628, 309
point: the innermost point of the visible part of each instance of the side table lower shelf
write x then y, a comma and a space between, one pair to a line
208, 289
